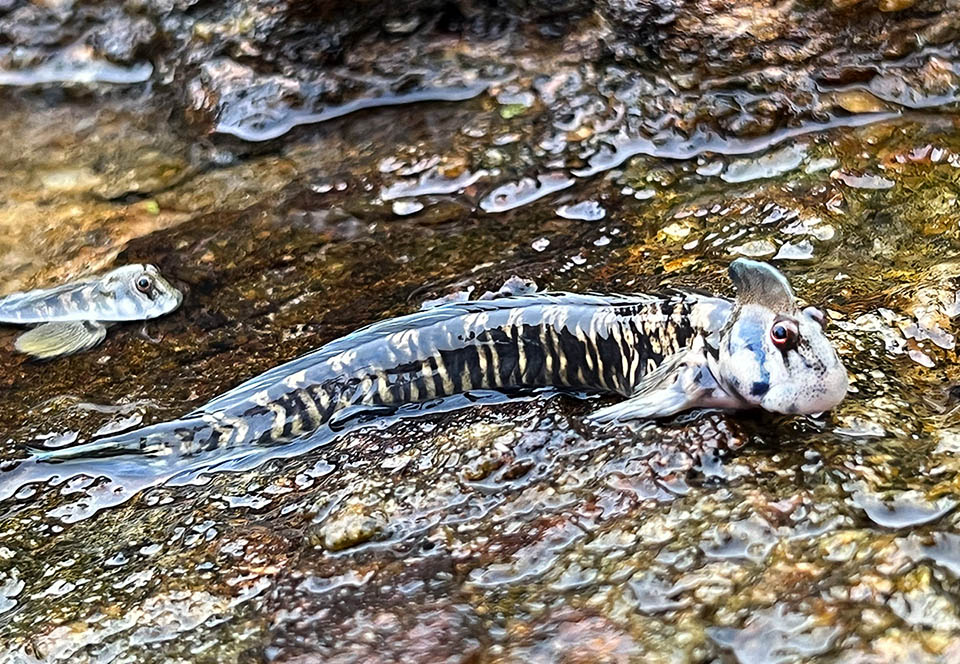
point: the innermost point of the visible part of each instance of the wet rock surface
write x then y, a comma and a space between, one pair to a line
608, 146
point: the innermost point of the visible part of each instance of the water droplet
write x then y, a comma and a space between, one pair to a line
523, 98
674, 231
516, 194
430, 182
776, 636
419, 166
75, 65
921, 358
755, 248
512, 286
769, 165
540, 244
457, 296
583, 211
800, 251
259, 116
901, 509
405, 207
749, 539
711, 168
858, 427
945, 552
118, 425
865, 181
821, 164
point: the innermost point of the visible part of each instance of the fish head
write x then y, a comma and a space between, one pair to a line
137, 292
772, 354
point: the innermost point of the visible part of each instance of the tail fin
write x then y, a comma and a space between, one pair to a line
104, 447
164, 438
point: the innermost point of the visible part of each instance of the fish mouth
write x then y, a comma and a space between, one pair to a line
790, 400
173, 299
834, 391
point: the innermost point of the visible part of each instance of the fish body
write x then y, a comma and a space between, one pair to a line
75, 316
665, 353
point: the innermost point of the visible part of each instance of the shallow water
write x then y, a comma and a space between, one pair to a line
509, 530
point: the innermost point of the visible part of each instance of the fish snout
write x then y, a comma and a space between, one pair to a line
816, 397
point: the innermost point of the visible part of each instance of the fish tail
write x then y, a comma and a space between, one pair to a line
181, 437
95, 449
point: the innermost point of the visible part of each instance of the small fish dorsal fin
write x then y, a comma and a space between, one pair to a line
763, 284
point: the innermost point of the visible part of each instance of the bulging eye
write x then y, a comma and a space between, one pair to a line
144, 284
784, 334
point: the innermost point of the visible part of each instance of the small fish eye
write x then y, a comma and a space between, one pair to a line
784, 334
144, 283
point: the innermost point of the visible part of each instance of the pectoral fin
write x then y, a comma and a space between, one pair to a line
346, 415
681, 382
56, 339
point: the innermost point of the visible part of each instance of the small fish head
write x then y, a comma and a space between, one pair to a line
138, 292
772, 355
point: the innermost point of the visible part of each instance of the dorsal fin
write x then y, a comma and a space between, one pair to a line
761, 283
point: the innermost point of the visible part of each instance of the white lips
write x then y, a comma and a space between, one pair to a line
834, 391
788, 400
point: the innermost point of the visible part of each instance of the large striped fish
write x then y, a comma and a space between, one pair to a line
664, 353
73, 317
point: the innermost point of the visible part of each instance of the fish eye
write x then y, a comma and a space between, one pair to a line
784, 334
144, 283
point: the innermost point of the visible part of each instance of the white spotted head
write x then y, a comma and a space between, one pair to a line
772, 355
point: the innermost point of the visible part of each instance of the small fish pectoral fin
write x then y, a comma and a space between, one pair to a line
681, 382
55, 339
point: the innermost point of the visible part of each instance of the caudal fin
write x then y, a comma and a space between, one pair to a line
99, 448
161, 439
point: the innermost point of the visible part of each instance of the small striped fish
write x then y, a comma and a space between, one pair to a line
75, 316
664, 353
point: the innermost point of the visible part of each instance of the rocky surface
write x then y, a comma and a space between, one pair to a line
609, 146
